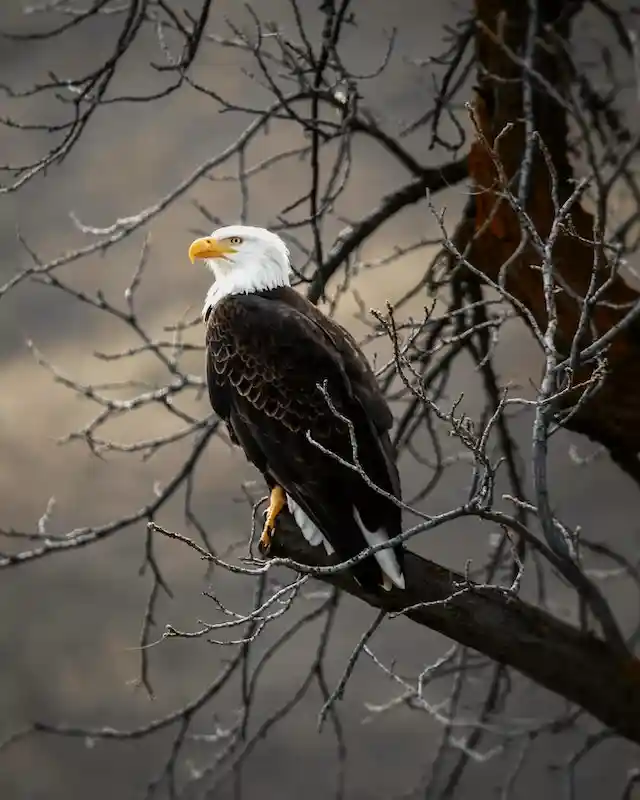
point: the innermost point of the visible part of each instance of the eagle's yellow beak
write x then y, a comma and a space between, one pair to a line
208, 247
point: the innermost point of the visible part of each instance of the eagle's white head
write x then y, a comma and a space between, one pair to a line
243, 259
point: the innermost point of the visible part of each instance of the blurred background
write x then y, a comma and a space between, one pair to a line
70, 623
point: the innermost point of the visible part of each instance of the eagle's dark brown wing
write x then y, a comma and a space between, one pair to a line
355, 364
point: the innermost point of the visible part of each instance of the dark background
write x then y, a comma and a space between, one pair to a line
69, 624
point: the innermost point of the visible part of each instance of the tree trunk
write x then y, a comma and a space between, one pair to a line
612, 415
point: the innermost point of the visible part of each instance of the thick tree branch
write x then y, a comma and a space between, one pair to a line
577, 666
352, 237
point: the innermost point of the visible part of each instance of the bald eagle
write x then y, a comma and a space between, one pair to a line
275, 365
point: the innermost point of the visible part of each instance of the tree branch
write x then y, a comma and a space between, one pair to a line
352, 237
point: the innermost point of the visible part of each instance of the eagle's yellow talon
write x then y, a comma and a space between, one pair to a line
276, 504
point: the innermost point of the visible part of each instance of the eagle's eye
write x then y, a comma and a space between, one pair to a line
235, 240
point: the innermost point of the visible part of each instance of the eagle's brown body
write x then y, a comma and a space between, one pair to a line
266, 353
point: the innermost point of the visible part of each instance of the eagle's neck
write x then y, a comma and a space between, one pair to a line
257, 275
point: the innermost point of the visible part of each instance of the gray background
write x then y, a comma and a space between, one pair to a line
69, 625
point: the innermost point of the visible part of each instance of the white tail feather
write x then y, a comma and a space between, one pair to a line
385, 558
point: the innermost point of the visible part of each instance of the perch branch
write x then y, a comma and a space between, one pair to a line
554, 654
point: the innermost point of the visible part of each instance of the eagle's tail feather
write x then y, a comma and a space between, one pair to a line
386, 558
